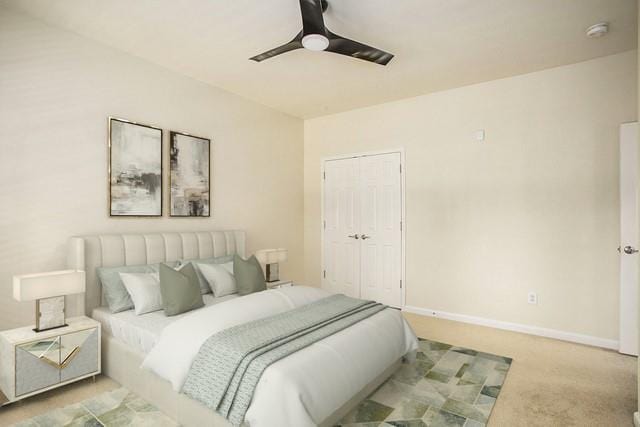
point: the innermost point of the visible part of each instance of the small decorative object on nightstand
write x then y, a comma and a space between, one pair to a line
279, 284
32, 362
271, 258
48, 290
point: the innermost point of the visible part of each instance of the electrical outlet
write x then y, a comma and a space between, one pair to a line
532, 298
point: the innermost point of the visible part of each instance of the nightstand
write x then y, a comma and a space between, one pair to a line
33, 362
279, 284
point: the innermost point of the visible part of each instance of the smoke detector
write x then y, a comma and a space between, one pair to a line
598, 30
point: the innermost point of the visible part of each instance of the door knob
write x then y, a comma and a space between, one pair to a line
365, 237
354, 236
630, 250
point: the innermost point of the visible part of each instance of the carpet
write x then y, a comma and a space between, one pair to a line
446, 386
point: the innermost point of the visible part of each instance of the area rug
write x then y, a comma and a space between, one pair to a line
117, 408
445, 387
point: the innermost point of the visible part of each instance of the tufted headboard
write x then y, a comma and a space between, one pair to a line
114, 250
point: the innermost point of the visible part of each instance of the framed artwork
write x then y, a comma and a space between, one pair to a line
189, 175
135, 169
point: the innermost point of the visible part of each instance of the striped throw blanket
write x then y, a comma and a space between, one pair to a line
229, 365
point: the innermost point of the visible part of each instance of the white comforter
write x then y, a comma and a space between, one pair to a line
306, 387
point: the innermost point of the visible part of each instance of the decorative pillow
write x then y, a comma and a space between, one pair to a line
204, 285
144, 290
113, 289
228, 266
248, 274
219, 277
179, 289
217, 260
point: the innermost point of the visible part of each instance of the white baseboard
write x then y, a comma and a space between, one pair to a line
517, 327
636, 419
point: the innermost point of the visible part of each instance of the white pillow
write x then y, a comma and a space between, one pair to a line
220, 278
144, 290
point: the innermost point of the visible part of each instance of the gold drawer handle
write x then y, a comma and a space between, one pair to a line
65, 362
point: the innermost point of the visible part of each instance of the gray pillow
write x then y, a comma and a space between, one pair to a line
204, 286
113, 289
249, 275
179, 289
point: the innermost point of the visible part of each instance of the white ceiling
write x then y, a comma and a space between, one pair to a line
439, 44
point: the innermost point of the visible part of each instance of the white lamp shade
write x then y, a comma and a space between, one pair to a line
271, 256
31, 287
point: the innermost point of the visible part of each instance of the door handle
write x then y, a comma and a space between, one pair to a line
365, 237
355, 236
630, 250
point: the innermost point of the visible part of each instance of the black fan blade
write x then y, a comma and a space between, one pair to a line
344, 46
312, 21
292, 45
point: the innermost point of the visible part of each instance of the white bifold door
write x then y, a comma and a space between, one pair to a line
362, 229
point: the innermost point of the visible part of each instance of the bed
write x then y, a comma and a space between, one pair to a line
316, 385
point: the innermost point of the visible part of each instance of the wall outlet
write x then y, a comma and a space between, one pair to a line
479, 135
532, 298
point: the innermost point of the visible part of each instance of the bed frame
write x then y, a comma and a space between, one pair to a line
120, 362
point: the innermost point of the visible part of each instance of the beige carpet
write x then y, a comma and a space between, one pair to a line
550, 383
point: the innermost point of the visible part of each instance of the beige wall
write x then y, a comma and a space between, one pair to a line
532, 208
56, 92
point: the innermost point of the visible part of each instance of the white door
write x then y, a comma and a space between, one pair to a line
380, 228
629, 257
341, 227
362, 227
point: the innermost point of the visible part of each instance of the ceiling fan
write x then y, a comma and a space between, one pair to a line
315, 36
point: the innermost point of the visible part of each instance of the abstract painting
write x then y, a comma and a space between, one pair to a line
135, 169
189, 175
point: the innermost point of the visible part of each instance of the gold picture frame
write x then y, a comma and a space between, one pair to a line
135, 169
189, 176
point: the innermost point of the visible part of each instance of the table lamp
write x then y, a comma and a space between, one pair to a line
48, 290
271, 258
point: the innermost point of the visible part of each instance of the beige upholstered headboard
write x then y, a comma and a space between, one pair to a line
114, 250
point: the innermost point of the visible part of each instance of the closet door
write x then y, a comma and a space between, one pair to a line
380, 190
341, 227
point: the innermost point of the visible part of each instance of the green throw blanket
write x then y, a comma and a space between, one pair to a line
229, 365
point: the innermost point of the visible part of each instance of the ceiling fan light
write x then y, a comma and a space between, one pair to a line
315, 42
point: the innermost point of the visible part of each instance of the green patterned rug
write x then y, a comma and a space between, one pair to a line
117, 408
445, 387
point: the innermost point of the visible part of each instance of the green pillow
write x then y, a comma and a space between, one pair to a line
113, 289
179, 289
248, 275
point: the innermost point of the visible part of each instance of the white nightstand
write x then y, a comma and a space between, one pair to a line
279, 284
33, 362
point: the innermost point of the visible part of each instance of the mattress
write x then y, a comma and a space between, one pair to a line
142, 332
